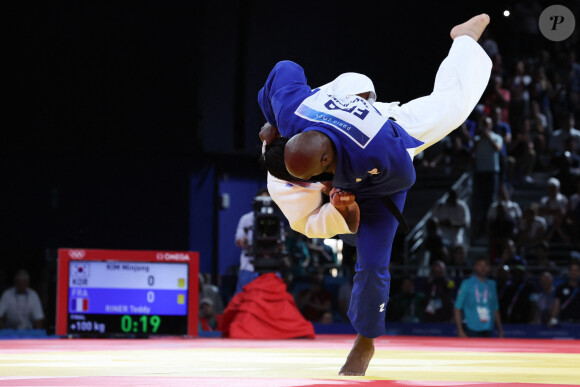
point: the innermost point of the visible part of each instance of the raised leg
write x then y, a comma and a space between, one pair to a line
473, 27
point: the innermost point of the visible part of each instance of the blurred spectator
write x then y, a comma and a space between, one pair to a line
503, 129
315, 303
407, 305
454, 218
574, 213
545, 299
573, 68
562, 230
497, 69
211, 292
517, 300
348, 260
209, 320
557, 143
477, 307
439, 295
243, 239
20, 306
567, 166
532, 229
509, 255
460, 142
511, 208
487, 150
538, 120
288, 278
344, 295
434, 243
553, 206
500, 230
498, 98
541, 91
322, 255
297, 249
488, 44
540, 257
567, 303
441, 151
559, 99
575, 197
520, 93
522, 150
502, 276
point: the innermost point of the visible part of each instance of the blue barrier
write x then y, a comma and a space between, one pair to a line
22, 334
520, 331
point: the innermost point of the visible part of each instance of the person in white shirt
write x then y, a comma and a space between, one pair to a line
512, 208
20, 306
559, 136
243, 238
532, 228
553, 207
454, 219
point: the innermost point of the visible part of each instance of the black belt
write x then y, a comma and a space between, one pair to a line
391, 206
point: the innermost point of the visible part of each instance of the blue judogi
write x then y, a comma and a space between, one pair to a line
372, 162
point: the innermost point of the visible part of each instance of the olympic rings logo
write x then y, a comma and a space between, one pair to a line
76, 254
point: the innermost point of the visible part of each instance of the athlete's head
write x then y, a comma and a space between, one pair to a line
309, 154
273, 159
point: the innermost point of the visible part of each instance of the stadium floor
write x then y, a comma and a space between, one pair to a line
398, 361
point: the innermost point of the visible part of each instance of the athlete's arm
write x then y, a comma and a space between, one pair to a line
286, 74
269, 133
302, 205
344, 203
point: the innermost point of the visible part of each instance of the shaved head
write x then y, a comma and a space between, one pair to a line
309, 154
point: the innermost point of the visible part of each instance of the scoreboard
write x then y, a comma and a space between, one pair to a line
129, 293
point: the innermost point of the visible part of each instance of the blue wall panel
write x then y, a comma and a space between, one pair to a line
201, 217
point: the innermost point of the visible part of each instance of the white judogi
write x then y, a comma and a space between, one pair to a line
459, 84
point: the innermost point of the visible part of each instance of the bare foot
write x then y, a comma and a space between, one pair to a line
359, 357
473, 27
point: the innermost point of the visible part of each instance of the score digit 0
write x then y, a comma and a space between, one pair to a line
151, 280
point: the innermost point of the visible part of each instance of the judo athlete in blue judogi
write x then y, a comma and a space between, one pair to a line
367, 147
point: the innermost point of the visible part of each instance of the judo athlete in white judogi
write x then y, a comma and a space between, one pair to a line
368, 148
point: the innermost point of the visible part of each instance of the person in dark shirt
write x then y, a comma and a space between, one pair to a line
567, 303
439, 297
501, 229
517, 300
434, 244
315, 303
407, 305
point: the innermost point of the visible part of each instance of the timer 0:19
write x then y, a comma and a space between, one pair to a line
128, 325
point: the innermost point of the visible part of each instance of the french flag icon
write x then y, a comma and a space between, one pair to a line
80, 304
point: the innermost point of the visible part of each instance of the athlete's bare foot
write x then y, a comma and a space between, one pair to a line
473, 27
359, 357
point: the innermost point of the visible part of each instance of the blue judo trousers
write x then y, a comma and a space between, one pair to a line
372, 162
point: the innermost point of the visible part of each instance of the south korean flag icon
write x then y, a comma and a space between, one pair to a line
79, 270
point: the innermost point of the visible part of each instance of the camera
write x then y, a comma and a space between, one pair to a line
267, 244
